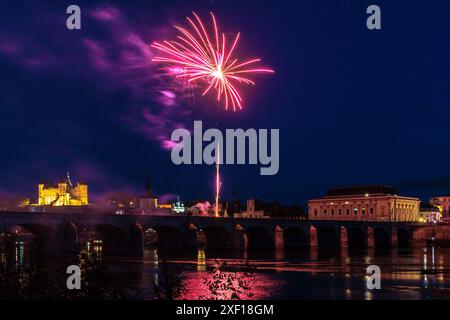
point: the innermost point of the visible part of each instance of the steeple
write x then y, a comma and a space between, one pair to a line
69, 183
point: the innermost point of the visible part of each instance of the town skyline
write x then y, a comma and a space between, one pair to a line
228, 195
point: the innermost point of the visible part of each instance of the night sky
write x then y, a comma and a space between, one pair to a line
353, 106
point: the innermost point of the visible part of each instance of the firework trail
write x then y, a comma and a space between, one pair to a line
208, 59
216, 209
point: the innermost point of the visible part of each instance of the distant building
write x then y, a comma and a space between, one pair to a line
178, 206
443, 203
251, 211
364, 203
429, 213
148, 204
63, 194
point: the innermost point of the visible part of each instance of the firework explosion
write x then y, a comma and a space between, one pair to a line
208, 60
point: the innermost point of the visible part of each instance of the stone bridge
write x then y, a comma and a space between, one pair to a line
123, 235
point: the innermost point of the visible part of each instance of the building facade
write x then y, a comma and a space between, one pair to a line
251, 211
429, 213
443, 203
364, 203
63, 194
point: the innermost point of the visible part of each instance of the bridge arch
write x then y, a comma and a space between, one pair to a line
217, 238
356, 238
137, 240
403, 238
169, 238
258, 239
327, 237
294, 238
70, 239
89, 234
382, 238
16, 233
40, 231
47, 240
20, 231
115, 240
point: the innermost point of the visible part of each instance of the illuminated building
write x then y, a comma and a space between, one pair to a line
178, 206
443, 203
251, 211
364, 203
429, 213
151, 206
148, 204
63, 194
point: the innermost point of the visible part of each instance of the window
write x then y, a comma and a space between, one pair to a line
363, 210
348, 211
332, 212
371, 210
355, 210
315, 212
340, 212
325, 211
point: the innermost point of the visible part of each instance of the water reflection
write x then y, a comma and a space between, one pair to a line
19, 246
151, 256
94, 249
416, 273
201, 260
15, 248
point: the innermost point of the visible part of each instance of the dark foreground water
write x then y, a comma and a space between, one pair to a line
419, 273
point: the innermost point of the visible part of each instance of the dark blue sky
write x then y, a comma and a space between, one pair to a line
353, 106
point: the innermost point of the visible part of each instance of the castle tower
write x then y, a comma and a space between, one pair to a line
41, 199
82, 193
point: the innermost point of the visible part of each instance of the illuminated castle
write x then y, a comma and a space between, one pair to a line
63, 194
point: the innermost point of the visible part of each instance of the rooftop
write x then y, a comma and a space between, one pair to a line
361, 190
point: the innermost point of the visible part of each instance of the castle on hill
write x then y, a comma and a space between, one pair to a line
64, 193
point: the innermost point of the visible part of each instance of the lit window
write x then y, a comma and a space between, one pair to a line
355, 210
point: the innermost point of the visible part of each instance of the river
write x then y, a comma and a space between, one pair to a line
419, 273
415, 273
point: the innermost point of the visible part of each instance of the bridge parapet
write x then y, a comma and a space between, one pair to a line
237, 232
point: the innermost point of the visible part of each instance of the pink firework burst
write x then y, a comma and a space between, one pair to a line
208, 59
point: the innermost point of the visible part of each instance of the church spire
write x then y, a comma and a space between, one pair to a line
68, 179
